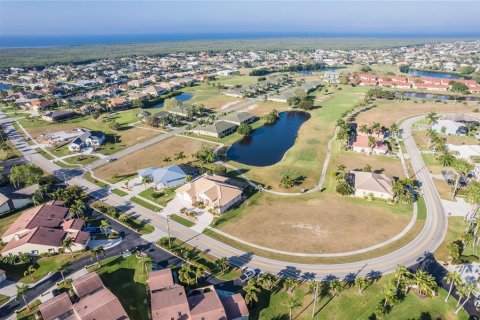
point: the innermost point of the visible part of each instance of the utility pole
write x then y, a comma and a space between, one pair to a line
168, 230
315, 300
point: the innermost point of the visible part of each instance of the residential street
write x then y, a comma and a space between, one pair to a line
411, 254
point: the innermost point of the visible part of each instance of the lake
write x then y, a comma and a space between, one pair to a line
433, 74
436, 96
182, 97
267, 145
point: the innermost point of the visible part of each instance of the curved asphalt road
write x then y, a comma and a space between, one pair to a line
426, 242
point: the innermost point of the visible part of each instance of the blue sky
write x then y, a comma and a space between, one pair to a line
192, 17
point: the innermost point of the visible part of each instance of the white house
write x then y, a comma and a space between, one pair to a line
214, 191
88, 139
368, 183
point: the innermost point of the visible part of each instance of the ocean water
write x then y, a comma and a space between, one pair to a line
33, 41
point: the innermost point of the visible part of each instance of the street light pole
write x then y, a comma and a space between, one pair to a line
315, 300
168, 230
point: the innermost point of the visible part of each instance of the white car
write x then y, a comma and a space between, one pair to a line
249, 274
111, 159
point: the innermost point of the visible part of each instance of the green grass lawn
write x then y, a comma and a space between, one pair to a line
194, 255
186, 222
126, 279
162, 197
145, 204
134, 223
352, 305
45, 154
119, 192
81, 159
65, 165
3, 299
7, 220
88, 176
43, 267
25, 314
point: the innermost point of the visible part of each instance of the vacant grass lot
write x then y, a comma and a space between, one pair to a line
422, 140
352, 305
315, 224
387, 112
153, 155
305, 159
126, 278
209, 96
261, 108
125, 137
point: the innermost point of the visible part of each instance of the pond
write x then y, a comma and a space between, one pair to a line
267, 145
182, 97
421, 95
433, 74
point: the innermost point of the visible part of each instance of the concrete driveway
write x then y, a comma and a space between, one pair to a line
174, 207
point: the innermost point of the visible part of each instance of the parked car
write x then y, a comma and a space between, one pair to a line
111, 159
126, 254
249, 274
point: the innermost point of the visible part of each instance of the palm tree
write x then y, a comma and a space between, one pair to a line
167, 159
401, 273
363, 128
21, 291
390, 295
61, 268
454, 279
198, 270
432, 117
377, 128
185, 273
29, 272
394, 129
268, 280
291, 303
463, 167
180, 155
67, 244
222, 264
104, 225
147, 263
251, 292
290, 283
124, 217
336, 286
361, 284
78, 209
341, 168
372, 142
425, 282
466, 290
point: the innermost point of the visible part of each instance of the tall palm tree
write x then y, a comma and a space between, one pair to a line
180, 155
469, 288
454, 279
185, 273
336, 286
251, 292
198, 271
21, 291
394, 129
290, 283
105, 225
147, 263
425, 282
377, 128
390, 295
363, 128
462, 167
30, 271
222, 264
432, 117
361, 284
61, 268
67, 244
401, 273
291, 303
372, 142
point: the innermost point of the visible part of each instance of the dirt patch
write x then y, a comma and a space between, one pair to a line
153, 155
388, 112
315, 224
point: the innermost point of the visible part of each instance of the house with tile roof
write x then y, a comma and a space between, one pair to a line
369, 183
361, 145
93, 301
42, 229
170, 301
213, 190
